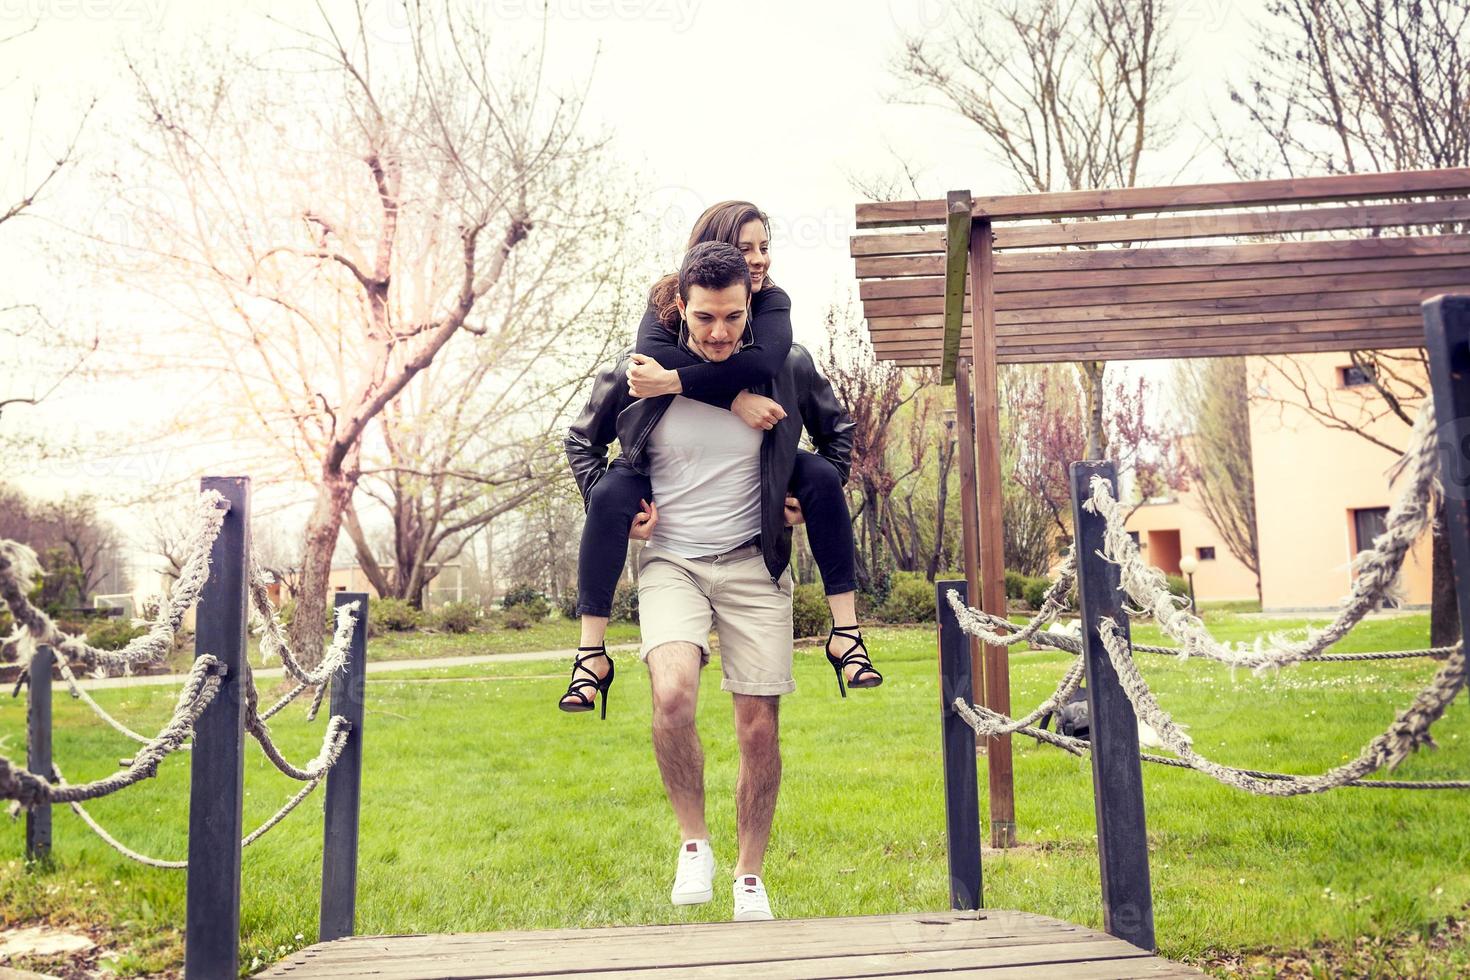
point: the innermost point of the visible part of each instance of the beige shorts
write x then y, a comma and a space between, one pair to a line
680, 600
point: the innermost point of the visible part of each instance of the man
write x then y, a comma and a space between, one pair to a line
718, 556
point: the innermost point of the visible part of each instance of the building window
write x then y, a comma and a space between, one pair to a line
1205, 554
1352, 376
1368, 523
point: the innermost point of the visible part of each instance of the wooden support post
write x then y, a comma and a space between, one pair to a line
961, 782
217, 769
958, 205
1117, 777
969, 513
992, 537
344, 787
1447, 338
38, 751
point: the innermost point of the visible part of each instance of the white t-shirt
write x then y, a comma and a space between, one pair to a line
705, 468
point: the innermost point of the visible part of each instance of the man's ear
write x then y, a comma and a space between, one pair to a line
679, 302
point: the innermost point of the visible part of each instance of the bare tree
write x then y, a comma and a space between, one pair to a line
1344, 86
42, 355
329, 226
1067, 95
1211, 395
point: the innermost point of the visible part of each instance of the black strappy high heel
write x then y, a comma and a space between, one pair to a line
867, 675
578, 685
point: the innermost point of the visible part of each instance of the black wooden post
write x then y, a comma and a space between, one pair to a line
344, 787
961, 790
1447, 337
217, 769
1117, 777
38, 751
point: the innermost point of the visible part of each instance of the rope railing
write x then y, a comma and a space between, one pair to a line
19, 566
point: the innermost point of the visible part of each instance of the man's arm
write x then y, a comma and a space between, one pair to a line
750, 367
825, 418
596, 428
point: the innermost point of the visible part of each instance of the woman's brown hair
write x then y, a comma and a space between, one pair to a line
719, 223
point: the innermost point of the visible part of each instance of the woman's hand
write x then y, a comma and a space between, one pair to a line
643, 523
794, 516
757, 411
648, 379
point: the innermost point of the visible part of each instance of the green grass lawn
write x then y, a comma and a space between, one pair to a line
485, 808
554, 633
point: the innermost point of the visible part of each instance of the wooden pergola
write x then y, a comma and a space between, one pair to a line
1203, 270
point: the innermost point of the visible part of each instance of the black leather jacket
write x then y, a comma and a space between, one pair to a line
801, 390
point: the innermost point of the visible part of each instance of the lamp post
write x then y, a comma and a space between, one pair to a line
1189, 565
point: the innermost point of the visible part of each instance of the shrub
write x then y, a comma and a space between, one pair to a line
392, 614
113, 633
567, 604
456, 617
1016, 584
1034, 591
523, 595
910, 600
516, 618
625, 603
1178, 585
534, 610
808, 611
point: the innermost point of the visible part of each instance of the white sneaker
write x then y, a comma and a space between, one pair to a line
751, 902
694, 882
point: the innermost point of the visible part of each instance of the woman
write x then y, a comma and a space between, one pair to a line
618, 505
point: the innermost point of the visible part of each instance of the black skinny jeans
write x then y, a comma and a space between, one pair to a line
614, 502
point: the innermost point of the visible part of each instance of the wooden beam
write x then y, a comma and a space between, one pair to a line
1170, 256
1299, 345
969, 512
1085, 298
1133, 200
952, 297
992, 534
1218, 225
1011, 283
1265, 324
1085, 346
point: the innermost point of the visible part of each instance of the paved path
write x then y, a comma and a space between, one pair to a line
373, 667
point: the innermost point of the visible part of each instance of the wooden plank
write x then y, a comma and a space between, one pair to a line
1104, 340
38, 749
969, 511
1015, 282
1161, 329
1300, 345
957, 743
344, 784
1037, 959
1284, 321
1133, 200
722, 941
1292, 222
1079, 296
992, 535
217, 766
952, 293
1117, 772
1169, 256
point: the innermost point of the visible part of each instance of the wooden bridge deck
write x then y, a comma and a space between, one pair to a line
993, 945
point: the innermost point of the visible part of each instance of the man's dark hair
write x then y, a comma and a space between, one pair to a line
713, 265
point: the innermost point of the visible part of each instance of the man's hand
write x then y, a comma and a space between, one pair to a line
757, 411
644, 522
647, 378
794, 516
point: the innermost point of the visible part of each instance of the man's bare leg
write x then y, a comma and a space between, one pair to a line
673, 671
758, 731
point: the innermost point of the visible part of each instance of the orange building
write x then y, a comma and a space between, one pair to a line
1321, 490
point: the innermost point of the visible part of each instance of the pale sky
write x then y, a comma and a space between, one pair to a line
807, 79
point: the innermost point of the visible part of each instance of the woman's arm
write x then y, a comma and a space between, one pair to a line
753, 365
